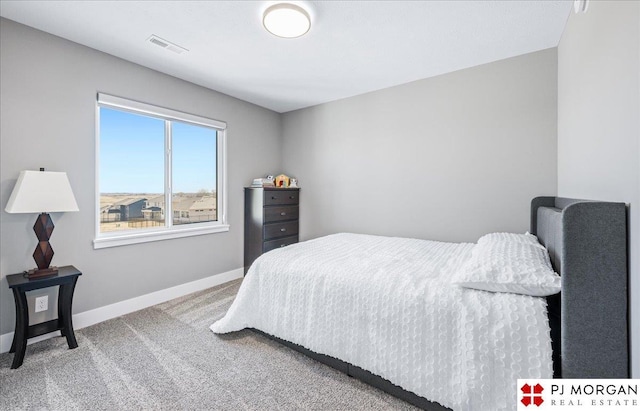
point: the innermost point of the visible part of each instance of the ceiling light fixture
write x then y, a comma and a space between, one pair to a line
286, 20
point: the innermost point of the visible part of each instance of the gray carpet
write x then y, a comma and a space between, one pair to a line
165, 357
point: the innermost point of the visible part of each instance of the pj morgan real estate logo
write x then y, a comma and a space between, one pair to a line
578, 394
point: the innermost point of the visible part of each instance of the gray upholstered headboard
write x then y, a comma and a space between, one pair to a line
587, 243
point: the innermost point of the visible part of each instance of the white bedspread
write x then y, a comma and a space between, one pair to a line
387, 305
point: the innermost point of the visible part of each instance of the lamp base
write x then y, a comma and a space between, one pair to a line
39, 273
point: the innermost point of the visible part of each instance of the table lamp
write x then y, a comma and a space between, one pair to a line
42, 192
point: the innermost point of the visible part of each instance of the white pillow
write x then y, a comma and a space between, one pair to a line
525, 238
509, 263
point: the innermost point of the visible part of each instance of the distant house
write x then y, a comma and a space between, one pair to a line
153, 213
154, 208
193, 209
129, 208
157, 201
203, 209
180, 207
108, 214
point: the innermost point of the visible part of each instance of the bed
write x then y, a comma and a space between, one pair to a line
407, 316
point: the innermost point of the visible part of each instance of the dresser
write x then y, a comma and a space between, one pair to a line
270, 220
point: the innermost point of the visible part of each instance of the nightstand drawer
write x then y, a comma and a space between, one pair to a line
282, 242
272, 214
278, 230
277, 197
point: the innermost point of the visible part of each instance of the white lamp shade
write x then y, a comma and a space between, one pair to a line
41, 192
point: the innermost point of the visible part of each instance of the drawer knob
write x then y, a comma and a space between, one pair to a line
292, 197
283, 213
273, 197
283, 229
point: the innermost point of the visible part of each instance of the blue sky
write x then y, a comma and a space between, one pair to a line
132, 154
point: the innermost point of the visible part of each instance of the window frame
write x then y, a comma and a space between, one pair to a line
115, 238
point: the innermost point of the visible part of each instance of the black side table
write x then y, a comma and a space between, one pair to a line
66, 280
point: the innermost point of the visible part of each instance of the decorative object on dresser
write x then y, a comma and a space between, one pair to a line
42, 192
282, 181
65, 279
263, 182
270, 220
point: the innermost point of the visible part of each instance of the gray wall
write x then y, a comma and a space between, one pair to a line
448, 158
599, 121
48, 92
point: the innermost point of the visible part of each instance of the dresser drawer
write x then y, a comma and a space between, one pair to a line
284, 197
278, 230
282, 242
273, 214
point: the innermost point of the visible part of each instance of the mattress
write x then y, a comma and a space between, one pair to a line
388, 305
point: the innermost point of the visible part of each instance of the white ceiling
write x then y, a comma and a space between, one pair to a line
353, 47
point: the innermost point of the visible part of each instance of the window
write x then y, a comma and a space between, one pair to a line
160, 173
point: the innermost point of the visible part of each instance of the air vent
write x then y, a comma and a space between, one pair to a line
166, 44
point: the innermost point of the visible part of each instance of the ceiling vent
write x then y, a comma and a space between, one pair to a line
166, 44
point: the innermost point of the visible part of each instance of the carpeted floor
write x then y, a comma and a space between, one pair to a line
165, 357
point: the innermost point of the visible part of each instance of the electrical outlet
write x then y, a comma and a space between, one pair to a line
42, 303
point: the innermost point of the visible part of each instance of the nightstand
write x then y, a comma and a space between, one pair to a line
19, 284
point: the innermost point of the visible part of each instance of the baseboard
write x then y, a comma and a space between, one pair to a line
110, 311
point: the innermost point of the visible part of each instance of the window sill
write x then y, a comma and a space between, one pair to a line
149, 236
